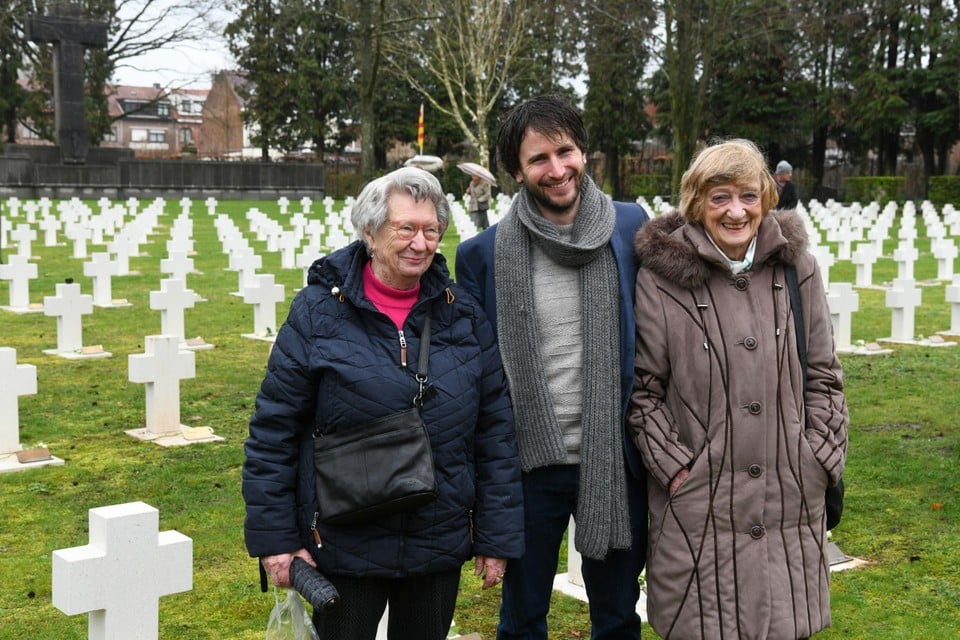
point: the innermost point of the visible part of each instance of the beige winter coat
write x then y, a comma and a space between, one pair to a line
738, 551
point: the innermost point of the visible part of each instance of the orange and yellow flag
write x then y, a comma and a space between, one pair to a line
420, 130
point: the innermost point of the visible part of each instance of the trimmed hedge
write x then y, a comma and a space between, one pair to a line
649, 185
883, 189
944, 189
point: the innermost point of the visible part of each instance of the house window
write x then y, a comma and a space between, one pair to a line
163, 109
157, 135
28, 134
186, 136
138, 135
110, 136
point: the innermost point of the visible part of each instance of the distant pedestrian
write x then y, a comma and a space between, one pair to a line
479, 192
783, 176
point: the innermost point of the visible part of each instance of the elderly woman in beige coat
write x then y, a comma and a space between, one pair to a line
739, 453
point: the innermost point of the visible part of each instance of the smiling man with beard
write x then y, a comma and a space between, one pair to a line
556, 276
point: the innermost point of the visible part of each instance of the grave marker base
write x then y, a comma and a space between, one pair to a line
871, 349
84, 353
195, 344
116, 302
932, 341
253, 336
839, 561
33, 308
28, 459
186, 435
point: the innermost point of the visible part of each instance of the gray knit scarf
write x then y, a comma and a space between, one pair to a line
603, 517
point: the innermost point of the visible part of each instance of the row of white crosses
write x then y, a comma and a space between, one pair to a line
846, 225
128, 565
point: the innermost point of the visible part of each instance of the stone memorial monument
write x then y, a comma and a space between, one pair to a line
70, 34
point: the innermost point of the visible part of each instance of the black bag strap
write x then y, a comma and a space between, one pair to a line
422, 362
793, 288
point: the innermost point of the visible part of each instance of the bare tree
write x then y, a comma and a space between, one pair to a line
143, 26
470, 48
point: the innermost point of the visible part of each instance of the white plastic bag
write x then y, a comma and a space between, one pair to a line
289, 619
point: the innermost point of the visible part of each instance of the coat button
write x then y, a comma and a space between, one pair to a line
756, 531
740, 283
750, 343
755, 471
754, 407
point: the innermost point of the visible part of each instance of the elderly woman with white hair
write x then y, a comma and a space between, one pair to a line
737, 409
350, 352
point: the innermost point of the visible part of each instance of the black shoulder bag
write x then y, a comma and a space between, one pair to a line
378, 468
834, 495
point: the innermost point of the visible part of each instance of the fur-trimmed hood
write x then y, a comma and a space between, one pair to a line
681, 252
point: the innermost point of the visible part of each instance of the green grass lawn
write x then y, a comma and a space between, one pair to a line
903, 489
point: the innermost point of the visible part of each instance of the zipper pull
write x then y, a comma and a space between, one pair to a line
316, 534
403, 348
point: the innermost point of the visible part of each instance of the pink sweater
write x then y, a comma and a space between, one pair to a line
396, 303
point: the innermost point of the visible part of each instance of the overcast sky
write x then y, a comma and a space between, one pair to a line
188, 64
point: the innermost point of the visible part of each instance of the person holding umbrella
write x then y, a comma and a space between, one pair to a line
478, 193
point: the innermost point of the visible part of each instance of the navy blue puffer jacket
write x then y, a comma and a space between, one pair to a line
336, 363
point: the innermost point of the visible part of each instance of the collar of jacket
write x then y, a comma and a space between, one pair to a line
681, 252
344, 269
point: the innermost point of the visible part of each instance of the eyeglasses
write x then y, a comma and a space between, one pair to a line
409, 232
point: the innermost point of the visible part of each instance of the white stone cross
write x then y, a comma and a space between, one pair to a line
876, 235
101, 269
19, 272
185, 204
171, 300
284, 203
245, 262
903, 299
80, 235
68, 305
211, 203
161, 368
905, 254
843, 302
177, 265
299, 223
288, 244
184, 245
49, 225
315, 232
43, 205
306, 204
945, 252
30, 208
13, 206
121, 575
264, 296
121, 247
845, 238
825, 260
306, 258
953, 297
863, 257
18, 380
24, 235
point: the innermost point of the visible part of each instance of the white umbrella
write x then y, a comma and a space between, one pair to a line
428, 163
474, 169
